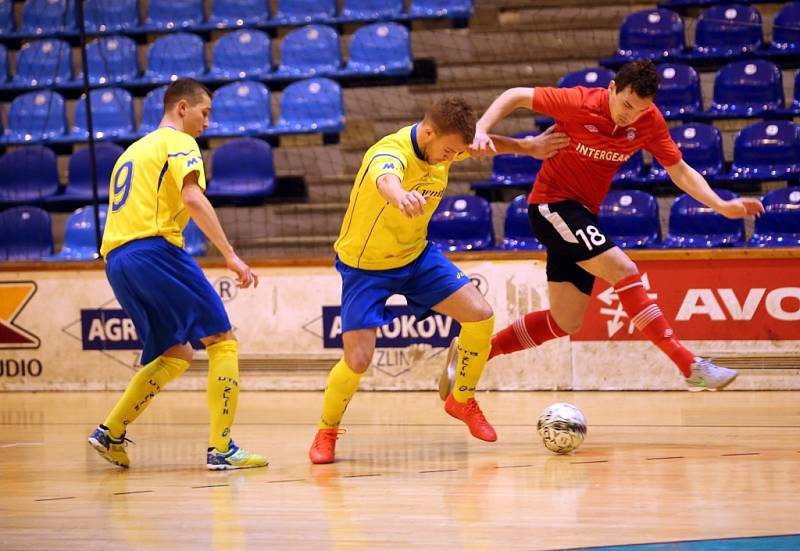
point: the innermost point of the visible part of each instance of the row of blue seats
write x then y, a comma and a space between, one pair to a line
726, 31
630, 218
241, 108
26, 234
762, 151
742, 89
57, 17
244, 173
314, 50
464, 223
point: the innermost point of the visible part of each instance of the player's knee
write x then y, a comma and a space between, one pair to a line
219, 337
570, 325
358, 360
483, 312
625, 270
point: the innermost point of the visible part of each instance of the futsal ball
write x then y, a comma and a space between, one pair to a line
562, 427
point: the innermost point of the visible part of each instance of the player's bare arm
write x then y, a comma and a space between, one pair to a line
202, 212
410, 203
693, 183
505, 104
543, 146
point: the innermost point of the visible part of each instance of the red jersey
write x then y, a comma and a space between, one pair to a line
583, 170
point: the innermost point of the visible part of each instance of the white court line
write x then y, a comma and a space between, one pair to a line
19, 444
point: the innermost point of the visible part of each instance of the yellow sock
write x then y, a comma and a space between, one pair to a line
342, 384
223, 391
141, 390
474, 343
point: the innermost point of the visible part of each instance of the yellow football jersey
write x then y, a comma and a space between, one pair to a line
375, 235
145, 190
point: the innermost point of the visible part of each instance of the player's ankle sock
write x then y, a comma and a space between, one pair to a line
147, 382
528, 331
223, 391
342, 385
474, 342
647, 317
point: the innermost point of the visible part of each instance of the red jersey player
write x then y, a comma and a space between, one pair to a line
605, 127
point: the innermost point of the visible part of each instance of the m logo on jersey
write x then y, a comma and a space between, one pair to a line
191, 162
14, 296
389, 166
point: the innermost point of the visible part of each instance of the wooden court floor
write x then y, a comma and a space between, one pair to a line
655, 467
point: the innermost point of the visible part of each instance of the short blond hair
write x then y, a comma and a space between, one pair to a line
452, 115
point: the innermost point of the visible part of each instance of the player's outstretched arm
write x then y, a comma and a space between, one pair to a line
693, 183
203, 214
410, 203
543, 146
508, 101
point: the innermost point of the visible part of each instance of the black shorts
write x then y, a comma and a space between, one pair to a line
570, 233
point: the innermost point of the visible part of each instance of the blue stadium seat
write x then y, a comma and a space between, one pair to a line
173, 14
6, 16
701, 146
786, 31
779, 226
47, 16
767, 151
244, 173
631, 172
749, 88
452, 9
43, 63
652, 34
235, 13
371, 10
194, 240
679, 94
512, 170
310, 50
112, 60
380, 49
3, 64
312, 105
240, 108
630, 218
112, 115
79, 181
152, 110
28, 175
726, 31
25, 234
36, 116
462, 223
591, 77
241, 54
517, 232
114, 17
175, 55
298, 12
80, 241
694, 225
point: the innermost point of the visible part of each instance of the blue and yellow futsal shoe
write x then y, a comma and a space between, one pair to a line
234, 458
111, 449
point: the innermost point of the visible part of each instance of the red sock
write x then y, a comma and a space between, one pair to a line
647, 317
526, 332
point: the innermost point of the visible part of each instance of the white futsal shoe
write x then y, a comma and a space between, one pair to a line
707, 376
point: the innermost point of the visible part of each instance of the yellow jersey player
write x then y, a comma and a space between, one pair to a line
156, 185
383, 250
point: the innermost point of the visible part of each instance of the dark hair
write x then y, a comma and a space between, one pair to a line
641, 76
452, 115
184, 88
